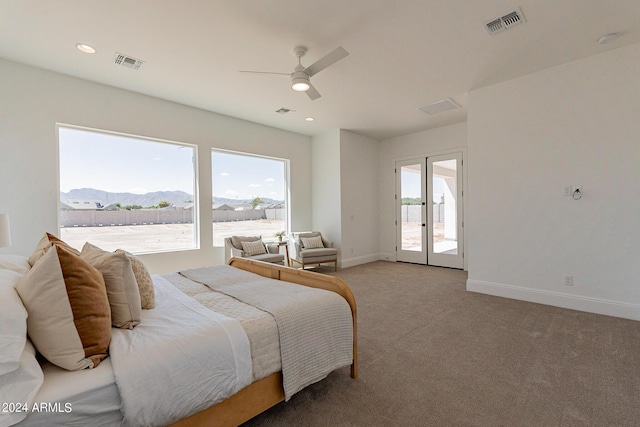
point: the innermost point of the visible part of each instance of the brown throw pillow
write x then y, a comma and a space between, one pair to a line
45, 243
69, 319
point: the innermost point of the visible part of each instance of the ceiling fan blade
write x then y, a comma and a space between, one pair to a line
327, 60
312, 92
264, 72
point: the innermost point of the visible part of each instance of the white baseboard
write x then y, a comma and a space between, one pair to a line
557, 299
351, 262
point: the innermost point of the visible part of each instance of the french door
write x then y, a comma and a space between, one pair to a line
410, 211
429, 211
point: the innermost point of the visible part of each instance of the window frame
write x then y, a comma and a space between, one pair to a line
287, 185
195, 176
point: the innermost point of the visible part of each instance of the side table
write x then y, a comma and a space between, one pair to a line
285, 243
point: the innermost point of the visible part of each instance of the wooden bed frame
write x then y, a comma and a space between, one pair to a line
267, 392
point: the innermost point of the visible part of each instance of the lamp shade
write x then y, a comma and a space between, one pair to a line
5, 230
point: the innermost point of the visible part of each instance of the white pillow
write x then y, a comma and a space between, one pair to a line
21, 386
17, 263
13, 322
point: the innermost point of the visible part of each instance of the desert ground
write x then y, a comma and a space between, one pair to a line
164, 237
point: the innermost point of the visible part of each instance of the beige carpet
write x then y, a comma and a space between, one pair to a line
432, 354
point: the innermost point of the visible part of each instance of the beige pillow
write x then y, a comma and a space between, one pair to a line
236, 241
312, 242
122, 287
69, 319
143, 279
253, 248
45, 243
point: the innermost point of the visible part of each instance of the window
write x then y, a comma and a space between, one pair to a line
250, 195
128, 192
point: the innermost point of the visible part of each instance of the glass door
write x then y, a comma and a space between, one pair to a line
410, 211
444, 215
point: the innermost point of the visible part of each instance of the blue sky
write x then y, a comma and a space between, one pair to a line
118, 164
245, 177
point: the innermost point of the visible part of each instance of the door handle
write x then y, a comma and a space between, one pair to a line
424, 225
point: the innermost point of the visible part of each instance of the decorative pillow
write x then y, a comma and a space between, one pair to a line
13, 323
143, 279
69, 319
122, 287
17, 263
236, 241
253, 248
45, 243
20, 386
312, 242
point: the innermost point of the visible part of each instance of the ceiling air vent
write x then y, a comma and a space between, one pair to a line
127, 61
283, 110
505, 22
440, 106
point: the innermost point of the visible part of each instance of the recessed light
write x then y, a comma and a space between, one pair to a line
309, 119
85, 48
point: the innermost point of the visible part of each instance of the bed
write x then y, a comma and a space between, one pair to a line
97, 396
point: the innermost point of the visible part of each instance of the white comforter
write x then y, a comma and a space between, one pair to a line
181, 359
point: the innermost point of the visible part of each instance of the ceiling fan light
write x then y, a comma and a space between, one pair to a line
300, 81
300, 84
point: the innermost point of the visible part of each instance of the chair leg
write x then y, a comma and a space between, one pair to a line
335, 265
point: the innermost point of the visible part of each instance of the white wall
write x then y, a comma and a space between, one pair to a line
32, 101
326, 200
359, 198
575, 124
417, 145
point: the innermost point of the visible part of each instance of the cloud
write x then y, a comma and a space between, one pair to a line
230, 193
273, 194
270, 180
223, 174
255, 185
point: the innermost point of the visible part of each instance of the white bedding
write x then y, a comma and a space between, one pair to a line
315, 326
185, 359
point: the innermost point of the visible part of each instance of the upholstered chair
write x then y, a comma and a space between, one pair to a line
310, 248
251, 247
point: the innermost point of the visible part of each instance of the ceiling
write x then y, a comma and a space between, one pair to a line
404, 54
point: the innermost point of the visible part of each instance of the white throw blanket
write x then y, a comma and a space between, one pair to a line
315, 326
181, 359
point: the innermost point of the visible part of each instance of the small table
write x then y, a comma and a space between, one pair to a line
285, 243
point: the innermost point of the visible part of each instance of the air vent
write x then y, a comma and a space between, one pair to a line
283, 110
127, 61
440, 106
505, 22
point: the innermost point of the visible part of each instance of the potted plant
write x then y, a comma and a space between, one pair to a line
280, 235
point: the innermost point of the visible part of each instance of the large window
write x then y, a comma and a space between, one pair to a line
250, 195
128, 192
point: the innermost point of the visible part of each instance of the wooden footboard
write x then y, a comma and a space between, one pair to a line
267, 392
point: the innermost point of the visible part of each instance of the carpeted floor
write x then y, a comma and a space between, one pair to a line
432, 354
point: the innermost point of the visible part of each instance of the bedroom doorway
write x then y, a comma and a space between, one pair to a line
429, 211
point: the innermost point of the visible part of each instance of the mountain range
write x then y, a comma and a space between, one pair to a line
147, 199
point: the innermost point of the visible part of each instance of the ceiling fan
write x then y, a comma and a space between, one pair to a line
300, 78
